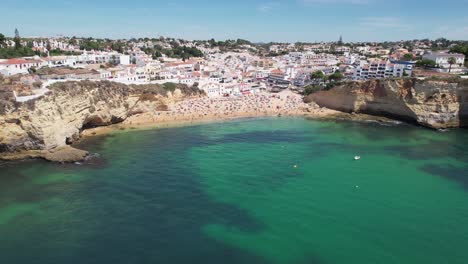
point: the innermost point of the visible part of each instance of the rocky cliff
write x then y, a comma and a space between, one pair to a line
46, 126
434, 103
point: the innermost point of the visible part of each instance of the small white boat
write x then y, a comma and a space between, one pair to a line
357, 158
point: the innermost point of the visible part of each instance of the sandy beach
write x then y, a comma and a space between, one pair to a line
199, 110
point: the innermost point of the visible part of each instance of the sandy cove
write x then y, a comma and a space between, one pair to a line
198, 111
202, 110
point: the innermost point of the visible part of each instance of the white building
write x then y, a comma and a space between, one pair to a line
363, 49
442, 59
212, 89
55, 61
19, 66
101, 58
187, 81
105, 74
342, 49
124, 59
378, 70
130, 75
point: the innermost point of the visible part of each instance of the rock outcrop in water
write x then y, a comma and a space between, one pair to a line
46, 126
433, 103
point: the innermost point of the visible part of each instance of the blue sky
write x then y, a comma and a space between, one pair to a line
256, 20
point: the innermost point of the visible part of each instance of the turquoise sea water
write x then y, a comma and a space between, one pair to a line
279, 190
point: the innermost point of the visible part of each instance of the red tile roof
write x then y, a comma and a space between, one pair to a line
18, 61
173, 64
277, 71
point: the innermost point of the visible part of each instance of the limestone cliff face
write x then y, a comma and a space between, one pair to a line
55, 120
431, 103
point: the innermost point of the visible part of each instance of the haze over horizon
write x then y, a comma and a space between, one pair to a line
255, 20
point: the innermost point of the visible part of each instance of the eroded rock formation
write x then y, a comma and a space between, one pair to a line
432, 103
52, 122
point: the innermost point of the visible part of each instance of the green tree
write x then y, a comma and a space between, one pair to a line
317, 75
169, 86
113, 61
408, 57
462, 48
2, 40
92, 44
17, 39
243, 42
9, 53
72, 41
337, 76
425, 63
451, 61
157, 54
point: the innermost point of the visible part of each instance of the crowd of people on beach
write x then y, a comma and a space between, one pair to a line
248, 105
286, 103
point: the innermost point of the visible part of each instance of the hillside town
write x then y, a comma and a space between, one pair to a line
234, 132
221, 68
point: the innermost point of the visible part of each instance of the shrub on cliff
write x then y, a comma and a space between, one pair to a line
318, 75
103, 90
337, 76
148, 97
170, 87
331, 85
6, 102
159, 89
37, 84
310, 89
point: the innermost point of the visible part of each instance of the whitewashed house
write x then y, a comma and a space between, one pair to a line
442, 60
19, 66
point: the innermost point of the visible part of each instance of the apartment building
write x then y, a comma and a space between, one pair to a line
378, 70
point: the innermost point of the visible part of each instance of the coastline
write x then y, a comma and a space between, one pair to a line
203, 110
69, 154
143, 121
193, 112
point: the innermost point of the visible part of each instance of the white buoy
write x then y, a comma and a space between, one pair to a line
295, 166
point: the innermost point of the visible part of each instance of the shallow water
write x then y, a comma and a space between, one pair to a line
276, 190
